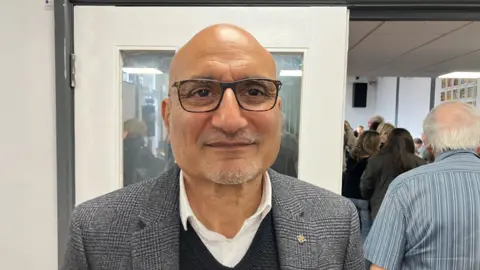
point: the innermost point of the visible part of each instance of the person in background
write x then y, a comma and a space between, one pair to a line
430, 216
374, 126
377, 120
359, 130
396, 157
350, 142
367, 145
139, 163
419, 147
426, 151
220, 206
287, 159
345, 141
350, 136
384, 130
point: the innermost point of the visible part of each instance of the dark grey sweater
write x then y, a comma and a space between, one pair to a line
262, 253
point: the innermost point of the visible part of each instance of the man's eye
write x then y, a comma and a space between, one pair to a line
202, 93
255, 92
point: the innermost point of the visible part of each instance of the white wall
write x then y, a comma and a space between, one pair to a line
413, 104
386, 98
28, 226
359, 116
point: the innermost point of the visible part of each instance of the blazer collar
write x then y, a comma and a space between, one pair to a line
296, 239
155, 245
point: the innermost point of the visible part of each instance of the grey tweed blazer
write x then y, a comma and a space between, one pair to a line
138, 228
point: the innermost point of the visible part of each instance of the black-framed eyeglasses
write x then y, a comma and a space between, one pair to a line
203, 95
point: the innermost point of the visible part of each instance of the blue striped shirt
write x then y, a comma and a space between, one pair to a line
430, 217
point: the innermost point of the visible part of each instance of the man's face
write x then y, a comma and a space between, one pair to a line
360, 130
229, 145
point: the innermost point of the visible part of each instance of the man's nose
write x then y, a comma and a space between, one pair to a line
228, 116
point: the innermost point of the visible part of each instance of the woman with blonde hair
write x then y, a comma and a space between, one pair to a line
366, 146
384, 129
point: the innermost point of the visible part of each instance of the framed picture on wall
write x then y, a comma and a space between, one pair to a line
462, 93
455, 94
442, 96
463, 81
455, 81
449, 95
444, 83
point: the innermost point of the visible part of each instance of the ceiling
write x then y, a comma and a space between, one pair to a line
399, 49
417, 49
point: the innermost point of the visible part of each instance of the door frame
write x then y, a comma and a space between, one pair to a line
360, 10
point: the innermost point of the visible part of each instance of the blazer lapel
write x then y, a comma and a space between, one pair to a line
296, 240
155, 245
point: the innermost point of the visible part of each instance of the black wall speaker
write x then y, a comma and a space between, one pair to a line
359, 95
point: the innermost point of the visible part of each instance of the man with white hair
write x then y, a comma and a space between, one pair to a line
375, 121
430, 216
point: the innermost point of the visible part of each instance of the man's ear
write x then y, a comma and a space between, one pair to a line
279, 103
429, 148
166, 108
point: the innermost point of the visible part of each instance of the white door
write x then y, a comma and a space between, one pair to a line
122, 65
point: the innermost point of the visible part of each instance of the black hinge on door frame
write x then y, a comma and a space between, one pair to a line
72, 70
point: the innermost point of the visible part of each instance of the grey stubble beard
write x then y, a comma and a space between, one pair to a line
232, 176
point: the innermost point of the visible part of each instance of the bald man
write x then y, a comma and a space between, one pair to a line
430, 217
220, 207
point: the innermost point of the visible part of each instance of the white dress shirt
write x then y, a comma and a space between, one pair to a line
228, 252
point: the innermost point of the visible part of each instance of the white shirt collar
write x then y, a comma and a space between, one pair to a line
262, 210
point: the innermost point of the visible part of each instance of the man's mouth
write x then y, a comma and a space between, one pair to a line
229, 144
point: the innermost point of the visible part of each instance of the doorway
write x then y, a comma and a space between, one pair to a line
122, 66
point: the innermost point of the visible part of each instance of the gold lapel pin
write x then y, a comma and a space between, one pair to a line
301, 239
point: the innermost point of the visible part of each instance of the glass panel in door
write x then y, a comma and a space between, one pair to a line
146, 153
107, 96
289, 71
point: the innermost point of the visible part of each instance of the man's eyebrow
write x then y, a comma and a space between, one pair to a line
201, 77
208, 77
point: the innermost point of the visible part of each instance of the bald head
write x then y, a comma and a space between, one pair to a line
455, 114
451, 126
222, 52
